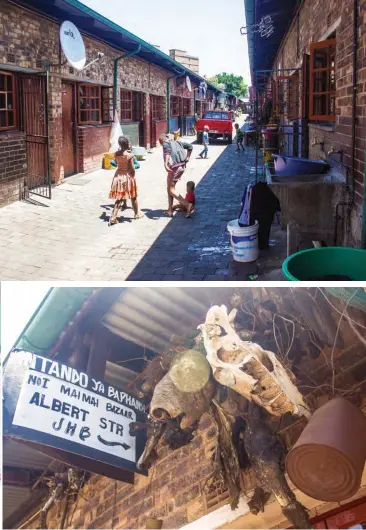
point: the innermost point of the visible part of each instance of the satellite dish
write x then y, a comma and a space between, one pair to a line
72, 45
188, 82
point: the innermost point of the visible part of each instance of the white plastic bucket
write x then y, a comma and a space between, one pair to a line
244, 241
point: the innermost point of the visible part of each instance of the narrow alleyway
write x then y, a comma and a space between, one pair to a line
68, 238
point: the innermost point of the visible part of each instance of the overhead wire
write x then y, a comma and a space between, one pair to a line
336, 335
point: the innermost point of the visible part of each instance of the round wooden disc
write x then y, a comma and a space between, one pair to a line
322, 472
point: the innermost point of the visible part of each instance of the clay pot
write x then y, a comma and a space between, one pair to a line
328, 459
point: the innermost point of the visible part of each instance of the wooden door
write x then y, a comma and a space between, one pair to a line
68, 129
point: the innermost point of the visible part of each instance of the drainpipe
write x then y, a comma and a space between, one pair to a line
354, 96
168, 95
363, 232
115, 73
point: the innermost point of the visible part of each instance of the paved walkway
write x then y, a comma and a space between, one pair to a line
69, 239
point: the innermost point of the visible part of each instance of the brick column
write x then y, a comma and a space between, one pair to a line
147, 120
55, 129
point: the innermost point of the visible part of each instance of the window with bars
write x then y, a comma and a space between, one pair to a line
7, 101
107, 104
158, 110
126, 105
322, 90
287, 96
186, 107
174, 106
89, 104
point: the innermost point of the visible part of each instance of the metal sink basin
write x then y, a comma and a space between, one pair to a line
331, 176
308, 202
292, 165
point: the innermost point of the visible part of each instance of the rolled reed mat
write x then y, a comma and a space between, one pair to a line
327, 461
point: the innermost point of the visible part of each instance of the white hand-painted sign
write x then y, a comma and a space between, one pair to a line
57, 406
70, 412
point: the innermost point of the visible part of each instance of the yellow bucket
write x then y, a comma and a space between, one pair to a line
108, 157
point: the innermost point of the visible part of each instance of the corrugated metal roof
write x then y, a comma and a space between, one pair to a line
150, 316
262, 51
13, 497
19, 455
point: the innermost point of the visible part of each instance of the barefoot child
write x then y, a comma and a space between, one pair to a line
190, 199
124, 182
136, 166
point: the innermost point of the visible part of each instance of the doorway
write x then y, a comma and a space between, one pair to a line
68, 129
34, 122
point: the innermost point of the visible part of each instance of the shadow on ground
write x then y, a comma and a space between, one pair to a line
198, 248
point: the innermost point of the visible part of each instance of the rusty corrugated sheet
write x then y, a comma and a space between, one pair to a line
19, 455
150, 316
13, 497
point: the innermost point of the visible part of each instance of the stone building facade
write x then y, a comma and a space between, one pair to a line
77, 138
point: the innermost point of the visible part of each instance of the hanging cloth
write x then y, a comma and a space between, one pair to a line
116, 132
244, 217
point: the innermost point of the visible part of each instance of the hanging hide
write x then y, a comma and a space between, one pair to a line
175, 437
266, 454
247, 368
155, 432
227, 467
258, 501
169, 402
154, 372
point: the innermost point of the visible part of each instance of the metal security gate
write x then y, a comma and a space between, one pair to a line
34, 121
279, 100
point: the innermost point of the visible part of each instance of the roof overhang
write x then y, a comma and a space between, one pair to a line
95, 25
262, 51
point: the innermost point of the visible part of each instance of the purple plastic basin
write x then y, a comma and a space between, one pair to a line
292, 165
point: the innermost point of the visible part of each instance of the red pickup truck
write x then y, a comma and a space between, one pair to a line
220, 126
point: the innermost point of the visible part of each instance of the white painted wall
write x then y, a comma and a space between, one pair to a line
216, 519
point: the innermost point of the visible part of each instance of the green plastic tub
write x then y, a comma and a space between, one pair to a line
327, 264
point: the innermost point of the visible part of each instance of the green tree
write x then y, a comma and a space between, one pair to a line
234, 84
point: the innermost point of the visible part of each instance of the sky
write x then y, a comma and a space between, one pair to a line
209, 29
19, 300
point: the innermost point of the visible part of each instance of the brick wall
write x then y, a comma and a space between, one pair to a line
93, 142
316, 20
13, 166
55, 129
174, 491
28, 40
32, 38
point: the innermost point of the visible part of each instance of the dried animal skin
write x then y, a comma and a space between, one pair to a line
149, 455
169, 402
266, 454
228, 461
247, 368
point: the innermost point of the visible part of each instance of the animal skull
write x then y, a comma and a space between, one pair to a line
247, 368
